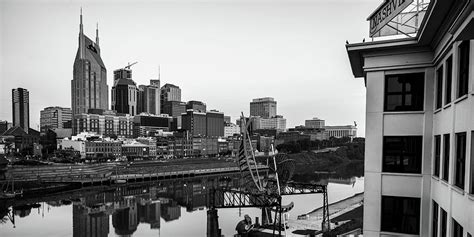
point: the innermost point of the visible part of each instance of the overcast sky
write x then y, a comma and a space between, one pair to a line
221, 52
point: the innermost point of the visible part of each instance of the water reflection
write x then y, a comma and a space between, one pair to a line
130, 208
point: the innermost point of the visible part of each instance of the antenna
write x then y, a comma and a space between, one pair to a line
159, 71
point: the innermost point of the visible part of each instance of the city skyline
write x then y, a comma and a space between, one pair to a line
238, 68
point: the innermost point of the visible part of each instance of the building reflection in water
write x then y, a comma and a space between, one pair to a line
145, 203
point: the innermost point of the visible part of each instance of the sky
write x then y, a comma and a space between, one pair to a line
222, 52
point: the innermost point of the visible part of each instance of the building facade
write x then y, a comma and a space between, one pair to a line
103, 124
149, 98
419, 149
278, 123
21, 108
169, 92
197, 106
89, 88
214, 124
55, 117
195, 123
314, 123
341, 131
145, 125
124, 92
264, 107
230, 129
174, 108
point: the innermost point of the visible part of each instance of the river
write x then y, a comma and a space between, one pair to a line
162, 208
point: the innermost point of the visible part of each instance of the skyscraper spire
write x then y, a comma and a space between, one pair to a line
159, 72
97, 34
80, 25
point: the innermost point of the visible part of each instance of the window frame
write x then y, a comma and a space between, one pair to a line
435, 219
437, 155
444, 223
439, 87
446, 156
400, 156
448, 96
463, 68
457, 227
404, 93
460, 160
400, 206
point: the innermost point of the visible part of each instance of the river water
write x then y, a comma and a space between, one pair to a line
162, 208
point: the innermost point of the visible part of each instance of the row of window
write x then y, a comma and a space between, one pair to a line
405, 92
402, 215
440, 223
403, 154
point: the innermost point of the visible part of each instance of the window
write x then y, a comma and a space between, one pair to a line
401, 214
472, 163
449, 80
444, 222
457, 229
460, 159
439, 87
463, 79
404, 92
437, 152
435, 219
446, 150
402, 154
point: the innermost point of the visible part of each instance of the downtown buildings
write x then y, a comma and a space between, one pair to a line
419, 159
54, 118
21, 108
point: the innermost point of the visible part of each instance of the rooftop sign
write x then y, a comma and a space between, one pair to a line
385, 13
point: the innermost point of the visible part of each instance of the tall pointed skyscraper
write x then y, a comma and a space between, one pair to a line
89, 88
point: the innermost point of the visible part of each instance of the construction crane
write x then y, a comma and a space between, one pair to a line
129, 65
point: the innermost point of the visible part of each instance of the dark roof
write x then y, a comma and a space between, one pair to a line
123, 81
15, 131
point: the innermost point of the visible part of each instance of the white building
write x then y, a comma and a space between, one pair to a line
314, 123
419, 154
341, 131
230, 129
278, 123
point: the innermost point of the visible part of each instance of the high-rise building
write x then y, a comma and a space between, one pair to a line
196, 106
21, 108
264, 107
149, 100
419, 145
169, 92
55, 117
89, 88
314, 123
107, 124
124, 92
194, 122
174, 108
214, 124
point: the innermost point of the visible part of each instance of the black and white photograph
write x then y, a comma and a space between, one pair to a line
236, 118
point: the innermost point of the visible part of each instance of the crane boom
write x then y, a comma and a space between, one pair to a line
129, 65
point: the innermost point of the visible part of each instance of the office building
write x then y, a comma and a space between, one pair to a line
55, 117
230, 129
174, 108
124, 92
89, 89
227, 119
106, 124
21, 108
194, 122
214, 124
314, 123
341, 131
419, 149
169, 92
264, 107
4, 126
277, 122
145, 125
149, 98
197, 106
